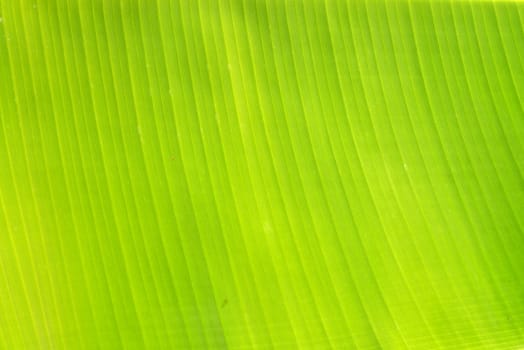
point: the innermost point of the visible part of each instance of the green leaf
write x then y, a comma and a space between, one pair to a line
252, 174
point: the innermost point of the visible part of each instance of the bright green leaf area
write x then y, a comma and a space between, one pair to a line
257, 174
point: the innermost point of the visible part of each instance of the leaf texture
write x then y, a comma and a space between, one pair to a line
252, 174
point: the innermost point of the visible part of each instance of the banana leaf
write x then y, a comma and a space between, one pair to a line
261, 174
